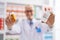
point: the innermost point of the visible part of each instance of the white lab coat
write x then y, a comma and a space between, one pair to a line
26, 31
30, 33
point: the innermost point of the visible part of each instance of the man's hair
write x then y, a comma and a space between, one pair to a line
28, 7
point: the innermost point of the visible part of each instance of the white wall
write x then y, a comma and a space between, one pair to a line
36, 2
57, 20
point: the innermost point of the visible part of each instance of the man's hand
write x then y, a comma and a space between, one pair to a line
51, 19
9, 22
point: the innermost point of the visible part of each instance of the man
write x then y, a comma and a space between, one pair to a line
31, 28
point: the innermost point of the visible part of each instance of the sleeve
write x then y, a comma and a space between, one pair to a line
16, 29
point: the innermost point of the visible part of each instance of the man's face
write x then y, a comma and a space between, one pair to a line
29, 14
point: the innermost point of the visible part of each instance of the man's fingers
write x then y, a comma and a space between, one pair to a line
8, 22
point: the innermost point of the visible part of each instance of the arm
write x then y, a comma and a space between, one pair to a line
15, 29
50, 20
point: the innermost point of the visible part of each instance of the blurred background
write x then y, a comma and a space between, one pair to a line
5, 6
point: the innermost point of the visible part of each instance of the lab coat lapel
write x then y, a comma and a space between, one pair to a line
28, 30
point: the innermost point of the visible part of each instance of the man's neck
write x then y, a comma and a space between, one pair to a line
30, 19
